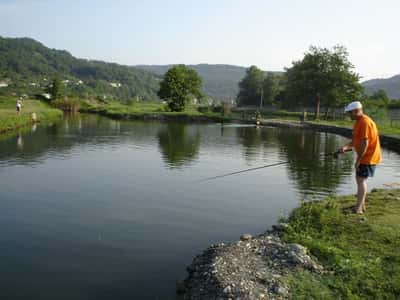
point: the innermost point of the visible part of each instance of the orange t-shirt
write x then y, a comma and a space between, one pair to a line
365, 128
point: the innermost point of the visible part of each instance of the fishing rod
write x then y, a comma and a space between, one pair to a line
335, 155
242, 171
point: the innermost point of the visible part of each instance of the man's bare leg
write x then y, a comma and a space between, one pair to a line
361, 194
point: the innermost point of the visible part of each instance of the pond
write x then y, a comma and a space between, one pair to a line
93, 208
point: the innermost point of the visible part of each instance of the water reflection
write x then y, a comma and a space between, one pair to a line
100, 188
34, 146
311, 164
178, 144
311, 167
20, 142
256, 140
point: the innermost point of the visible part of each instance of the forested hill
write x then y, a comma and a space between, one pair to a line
219, 81
27, 66
390, 85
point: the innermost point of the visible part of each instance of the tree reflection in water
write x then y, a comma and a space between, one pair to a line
256, 140
178, 145
311, 164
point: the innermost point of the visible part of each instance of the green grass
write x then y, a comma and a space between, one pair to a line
360, 253
384, 127
115, 109
9, 119
278, 114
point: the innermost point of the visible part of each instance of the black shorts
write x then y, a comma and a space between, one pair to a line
366, 171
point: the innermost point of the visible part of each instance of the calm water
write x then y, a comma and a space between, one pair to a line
92, 208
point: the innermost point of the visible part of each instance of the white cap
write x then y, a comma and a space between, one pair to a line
352, 106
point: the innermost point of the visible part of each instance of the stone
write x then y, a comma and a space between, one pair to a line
297, 248
295, 259
280, 226
279, 290
246, 237
227, 290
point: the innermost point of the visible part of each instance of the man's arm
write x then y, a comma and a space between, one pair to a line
361, 151
347, 147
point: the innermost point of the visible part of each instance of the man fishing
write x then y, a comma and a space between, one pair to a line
366, 144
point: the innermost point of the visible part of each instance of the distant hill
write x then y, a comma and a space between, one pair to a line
27, 66
390, 85
219, 81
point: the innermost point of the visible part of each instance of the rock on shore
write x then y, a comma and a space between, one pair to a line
252, 268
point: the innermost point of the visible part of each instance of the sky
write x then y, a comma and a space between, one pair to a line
270, 34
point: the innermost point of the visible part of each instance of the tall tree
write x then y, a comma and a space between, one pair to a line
250, 88
178, 86
54, 89
271, 88
322, 77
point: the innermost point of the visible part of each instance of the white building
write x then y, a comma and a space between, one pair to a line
115, 84
3, 84
47, 96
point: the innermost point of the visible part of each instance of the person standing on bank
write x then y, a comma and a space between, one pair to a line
367, 146
19, 105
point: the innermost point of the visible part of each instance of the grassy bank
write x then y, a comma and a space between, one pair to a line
360, 252
384, 127
143, 109
9, 119
136, 110
385, 124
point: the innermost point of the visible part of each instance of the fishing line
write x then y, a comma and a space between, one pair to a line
242, 171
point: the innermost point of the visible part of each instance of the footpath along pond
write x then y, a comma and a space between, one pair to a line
93, 208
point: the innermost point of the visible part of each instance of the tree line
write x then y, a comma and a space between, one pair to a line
323, 78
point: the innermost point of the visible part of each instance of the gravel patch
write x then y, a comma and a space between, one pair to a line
251, 268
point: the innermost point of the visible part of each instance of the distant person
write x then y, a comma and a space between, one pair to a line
366, 144
19, 105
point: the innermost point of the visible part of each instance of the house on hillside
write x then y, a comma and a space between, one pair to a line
4, 83
115, 84
46, 96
